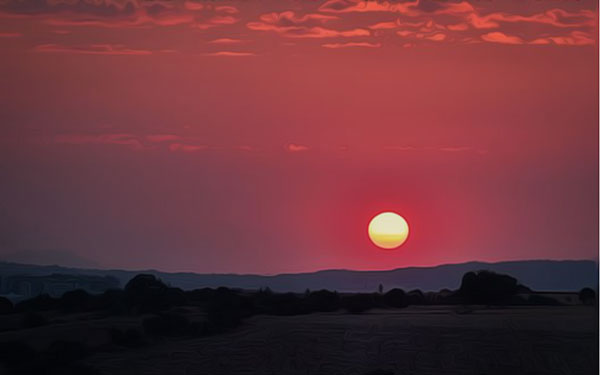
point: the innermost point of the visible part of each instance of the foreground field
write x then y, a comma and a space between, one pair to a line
416, 340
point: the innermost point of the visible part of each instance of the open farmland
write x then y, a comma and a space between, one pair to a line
416, 340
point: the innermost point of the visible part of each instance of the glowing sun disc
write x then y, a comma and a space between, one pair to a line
388, 230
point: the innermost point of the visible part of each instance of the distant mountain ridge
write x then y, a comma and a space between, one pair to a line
48, 257
540, 275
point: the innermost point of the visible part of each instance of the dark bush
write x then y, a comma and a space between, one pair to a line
43, 302
113, 301
287, 304
33, 320
444, 297
322, 300
587, 296
141, 283
166, 324
226, 310
146, 293
175, 297
199, 297
6, 307
415, 297
395, 298
75, 301
486, 287
358, 303
278, 304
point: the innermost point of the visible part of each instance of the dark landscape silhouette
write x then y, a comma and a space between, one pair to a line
53, 335
541, 275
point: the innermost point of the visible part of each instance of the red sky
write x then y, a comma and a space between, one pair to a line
261, 136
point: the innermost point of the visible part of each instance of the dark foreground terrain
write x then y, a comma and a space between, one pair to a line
415, 340
490, 325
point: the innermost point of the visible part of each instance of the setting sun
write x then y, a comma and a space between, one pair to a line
388, 230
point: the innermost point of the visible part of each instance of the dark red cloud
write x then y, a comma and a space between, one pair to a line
126, 14
291, 25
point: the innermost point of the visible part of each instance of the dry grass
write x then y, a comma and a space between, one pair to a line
416, 340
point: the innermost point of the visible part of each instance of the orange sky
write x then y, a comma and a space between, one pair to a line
261, 136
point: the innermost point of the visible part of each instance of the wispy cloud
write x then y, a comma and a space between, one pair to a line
230, 54
499, 37
92, 49
10, 35
291, 25
575, 38
158, 138
122, 14
182, 147
307, 32
457, 22
122, 139
455, 149
438, 37
293, 147
351, 44
225, 41
399, 148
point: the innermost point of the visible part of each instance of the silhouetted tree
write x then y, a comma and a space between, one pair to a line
278, 303
486, 287
43, 302
142, 283
113, 301
75, 300
322, 300
226, 309
380, 288
587, 296
395, 298
146, 293
358, 303
199, 297
415, 297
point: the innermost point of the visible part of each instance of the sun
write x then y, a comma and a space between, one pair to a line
388, 230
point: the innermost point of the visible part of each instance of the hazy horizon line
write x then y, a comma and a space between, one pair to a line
155, 270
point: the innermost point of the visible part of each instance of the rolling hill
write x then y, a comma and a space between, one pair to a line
541, 275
